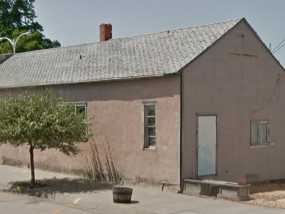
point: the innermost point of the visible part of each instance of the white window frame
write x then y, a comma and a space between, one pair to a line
147, 137
256, 135
81, 104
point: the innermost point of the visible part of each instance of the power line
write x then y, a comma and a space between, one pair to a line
279, 48
280, 45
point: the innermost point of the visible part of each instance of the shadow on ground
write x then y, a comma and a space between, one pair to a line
48, 188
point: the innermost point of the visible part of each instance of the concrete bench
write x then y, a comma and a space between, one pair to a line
234, 192
221, 189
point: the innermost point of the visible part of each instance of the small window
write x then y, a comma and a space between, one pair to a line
149, 125
260, 132
81, 108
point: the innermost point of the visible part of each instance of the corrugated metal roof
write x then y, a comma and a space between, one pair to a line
146, 55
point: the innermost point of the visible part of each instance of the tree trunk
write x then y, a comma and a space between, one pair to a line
33, 180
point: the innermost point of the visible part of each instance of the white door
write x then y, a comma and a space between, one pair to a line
207, 141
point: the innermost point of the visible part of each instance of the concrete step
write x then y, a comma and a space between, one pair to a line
221, 189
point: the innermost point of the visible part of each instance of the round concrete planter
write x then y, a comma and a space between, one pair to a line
122, 194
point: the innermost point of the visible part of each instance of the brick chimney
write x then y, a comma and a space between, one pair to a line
105, 32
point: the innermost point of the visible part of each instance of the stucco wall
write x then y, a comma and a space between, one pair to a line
115, 110
238, 80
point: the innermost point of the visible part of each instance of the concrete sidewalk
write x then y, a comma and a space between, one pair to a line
150, 200
16, 204
11, 174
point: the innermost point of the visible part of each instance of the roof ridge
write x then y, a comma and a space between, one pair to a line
186, 28
129, 37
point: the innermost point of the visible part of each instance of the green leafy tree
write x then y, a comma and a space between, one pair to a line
16, 17
41, 121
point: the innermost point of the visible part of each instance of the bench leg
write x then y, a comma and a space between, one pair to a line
244, 194
192, 188
236, 194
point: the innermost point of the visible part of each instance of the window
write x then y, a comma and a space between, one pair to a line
260, 132
81, 108
149, 125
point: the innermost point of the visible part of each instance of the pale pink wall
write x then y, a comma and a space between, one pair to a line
115, 110
238, 80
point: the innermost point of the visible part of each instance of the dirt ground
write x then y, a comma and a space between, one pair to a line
66, 194
268, 194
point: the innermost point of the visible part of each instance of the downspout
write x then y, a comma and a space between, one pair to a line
181, 131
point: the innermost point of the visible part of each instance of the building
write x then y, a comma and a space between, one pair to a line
204, 101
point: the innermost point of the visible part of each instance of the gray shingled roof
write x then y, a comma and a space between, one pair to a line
146, 55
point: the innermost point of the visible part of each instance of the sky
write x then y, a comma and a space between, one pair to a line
75, 22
